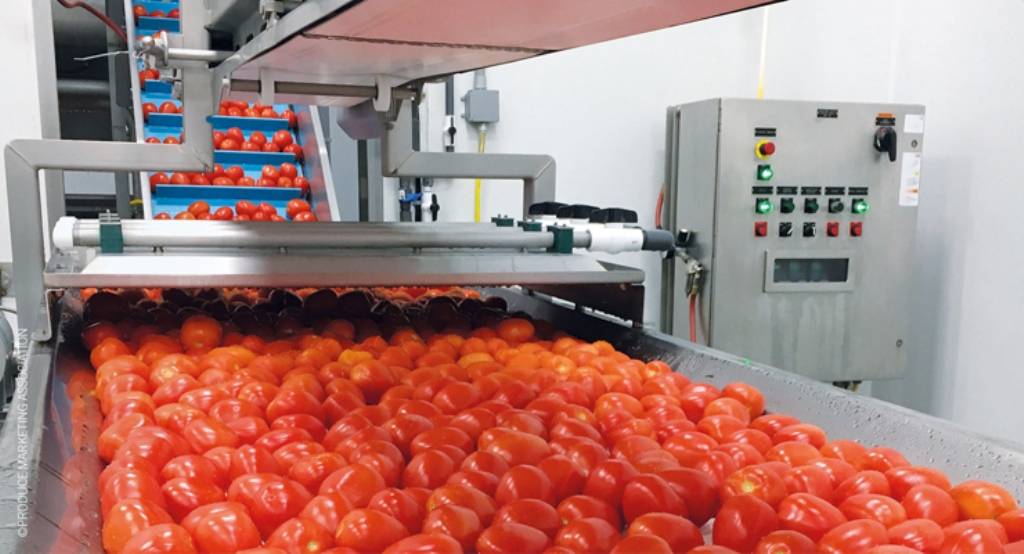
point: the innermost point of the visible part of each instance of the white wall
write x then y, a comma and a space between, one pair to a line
600, 112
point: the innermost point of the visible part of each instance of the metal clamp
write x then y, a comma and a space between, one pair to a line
563, 241
111, 234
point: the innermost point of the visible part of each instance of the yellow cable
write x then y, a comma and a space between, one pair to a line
764, 54
481, 145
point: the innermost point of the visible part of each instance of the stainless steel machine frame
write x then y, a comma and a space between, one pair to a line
847, 326
54, 476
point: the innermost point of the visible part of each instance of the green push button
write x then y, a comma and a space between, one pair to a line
860, 206
765, 172
763, 206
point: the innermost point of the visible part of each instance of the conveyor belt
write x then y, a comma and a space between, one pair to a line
172, 199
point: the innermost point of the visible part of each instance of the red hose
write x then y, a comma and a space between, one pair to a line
693, 318
657, 208
99, 15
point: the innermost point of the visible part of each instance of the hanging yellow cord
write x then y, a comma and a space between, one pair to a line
764, 53
481, 145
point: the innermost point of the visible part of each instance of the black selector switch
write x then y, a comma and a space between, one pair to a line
785, 228
787, 205
811, 205
885, 141
810, 229
835, 205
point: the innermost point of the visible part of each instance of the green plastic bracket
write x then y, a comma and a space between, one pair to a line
563, 239
531, 225
111, 236
503, 221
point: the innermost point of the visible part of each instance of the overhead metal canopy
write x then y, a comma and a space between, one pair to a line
357, 42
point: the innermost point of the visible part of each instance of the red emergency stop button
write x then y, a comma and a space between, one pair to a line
764, 149
832, 228
760, 228
856, 228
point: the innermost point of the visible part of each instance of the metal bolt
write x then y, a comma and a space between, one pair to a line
913, 143
899, 343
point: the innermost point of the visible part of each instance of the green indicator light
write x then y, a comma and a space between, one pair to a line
765, 172
763, 206
860, 206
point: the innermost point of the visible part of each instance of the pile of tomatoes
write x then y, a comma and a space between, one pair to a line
297, 209
445, 425
140, 11
165, 107
285, 175
235, 139
240, 108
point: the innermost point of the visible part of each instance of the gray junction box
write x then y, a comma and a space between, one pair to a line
804, 216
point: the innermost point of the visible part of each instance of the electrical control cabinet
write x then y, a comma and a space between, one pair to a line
803, 217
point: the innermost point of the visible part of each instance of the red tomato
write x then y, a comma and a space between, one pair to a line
461, 495
785, 542
311, 471
809, 515
566, 477
434, 544
881, 458
128, 518
148, 108
515, 447
680, 533
230, 144
293, 121
801, 432
304, 217
288, 170
750, 396
458, 522
195, 468
301, 535
282, 138
270, 499
920, 534
1013, 522
511, 537
301, 183
369, 531
429, 469
326, 510
688, 446
293, 149
235, 133
697, 491
742, 521
982, 500
581, 506
973, 536
400, 505
531, 512
882, 509
127, 484
771, 423
271, 147
357, 483
221, 527
257, 137
730, 407
863, 482
524, 481
588, 535
793, 453
608, 479
901, 479
161, 538
248, 146
182, 495
168, 107
758, 481
297, 205
858, 535
838, 470
649, 493
809, 479
930, 502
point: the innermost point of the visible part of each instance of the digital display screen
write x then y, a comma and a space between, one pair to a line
811, 270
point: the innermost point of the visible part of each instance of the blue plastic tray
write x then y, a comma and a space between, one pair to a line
157, 87
225, 122
256, 159
168, 120
149, 25
176, 198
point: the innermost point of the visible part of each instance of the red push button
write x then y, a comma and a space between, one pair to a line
760, 228
856, 228
764, 149
832, 228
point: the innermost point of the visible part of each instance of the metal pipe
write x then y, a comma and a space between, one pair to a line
83, 87
223, 234
320, 89
197, 55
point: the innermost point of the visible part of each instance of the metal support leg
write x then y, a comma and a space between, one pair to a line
537, 171
24, 159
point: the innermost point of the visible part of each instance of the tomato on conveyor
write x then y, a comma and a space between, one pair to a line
431, 420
